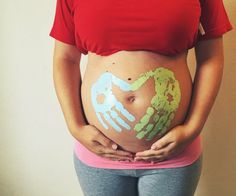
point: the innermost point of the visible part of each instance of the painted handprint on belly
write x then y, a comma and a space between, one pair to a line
163, 104
161, 110
103, 86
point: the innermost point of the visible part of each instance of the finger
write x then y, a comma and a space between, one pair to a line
118, 152
117, 158
150, 159
105, 150
165, 150
166, 153
123, 153
151, 153
162, 142
145, 153
106, 142
160, 152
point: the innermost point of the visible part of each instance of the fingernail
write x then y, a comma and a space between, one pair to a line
153, 147
114, 146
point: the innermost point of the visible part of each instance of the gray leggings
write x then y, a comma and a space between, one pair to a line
180, 181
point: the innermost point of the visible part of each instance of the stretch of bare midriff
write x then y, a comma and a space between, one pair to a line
127, 66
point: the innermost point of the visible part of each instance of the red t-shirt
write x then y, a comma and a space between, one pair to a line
165, 27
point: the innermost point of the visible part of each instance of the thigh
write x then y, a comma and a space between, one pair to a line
180, 181
102, 182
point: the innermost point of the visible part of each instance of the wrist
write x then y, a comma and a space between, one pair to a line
192, 130
75, 129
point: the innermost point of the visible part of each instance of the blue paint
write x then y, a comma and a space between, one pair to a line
107, 109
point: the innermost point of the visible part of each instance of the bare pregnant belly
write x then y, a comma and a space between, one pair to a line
135, 97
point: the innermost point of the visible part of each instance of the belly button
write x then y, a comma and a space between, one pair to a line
131, 98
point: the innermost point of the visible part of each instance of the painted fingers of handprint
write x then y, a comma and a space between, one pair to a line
101, 120
119, 120
117, 106
123, 85
164, 103
111, 121
110, 105
144, 121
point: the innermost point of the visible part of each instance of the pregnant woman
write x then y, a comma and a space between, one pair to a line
136, 114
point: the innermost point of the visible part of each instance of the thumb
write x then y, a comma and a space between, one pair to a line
160, 143
106, 142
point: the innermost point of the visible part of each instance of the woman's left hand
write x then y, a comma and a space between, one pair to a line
171, 144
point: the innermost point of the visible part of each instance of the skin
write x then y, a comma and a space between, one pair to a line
161, 110
207, 80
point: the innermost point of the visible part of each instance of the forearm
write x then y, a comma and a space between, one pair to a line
67, 82
206, 86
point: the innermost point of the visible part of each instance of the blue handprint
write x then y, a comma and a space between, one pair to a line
104, 86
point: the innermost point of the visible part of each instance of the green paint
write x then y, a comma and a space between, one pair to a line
163, 104
160, 112
145, 119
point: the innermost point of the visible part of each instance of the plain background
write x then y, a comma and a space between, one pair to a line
35, 145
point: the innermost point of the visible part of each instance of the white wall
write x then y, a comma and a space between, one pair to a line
36, 148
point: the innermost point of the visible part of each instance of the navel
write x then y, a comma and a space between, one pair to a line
131, 98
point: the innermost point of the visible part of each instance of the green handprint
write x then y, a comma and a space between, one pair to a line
163, 105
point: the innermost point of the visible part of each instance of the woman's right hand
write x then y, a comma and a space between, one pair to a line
98, 143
